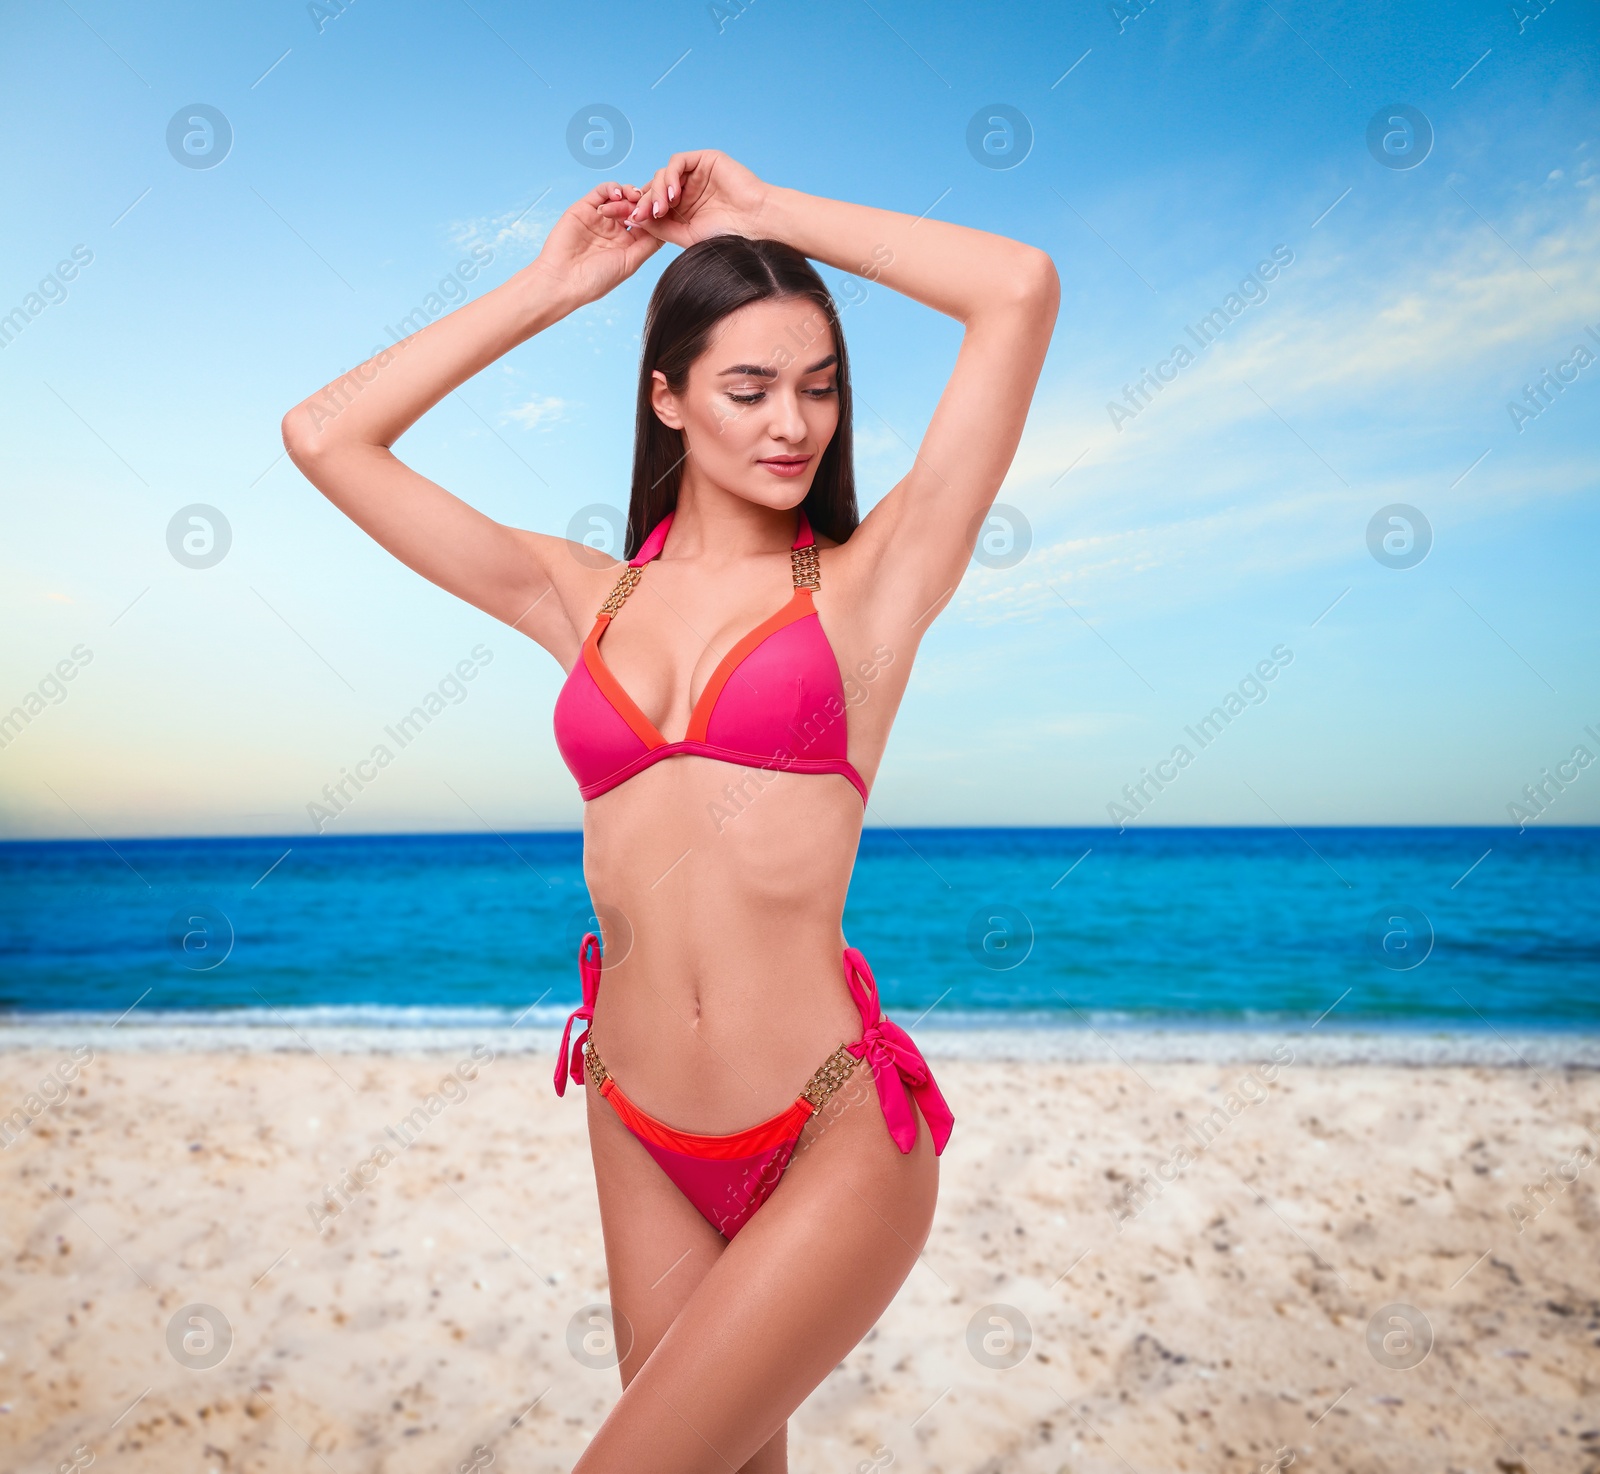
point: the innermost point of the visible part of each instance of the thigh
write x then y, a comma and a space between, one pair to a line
782, 1304
658, 1250
658, 1247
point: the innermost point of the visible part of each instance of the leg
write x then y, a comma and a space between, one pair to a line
780, 1306
658, 1250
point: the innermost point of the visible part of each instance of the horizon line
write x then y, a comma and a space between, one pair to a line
1098, 829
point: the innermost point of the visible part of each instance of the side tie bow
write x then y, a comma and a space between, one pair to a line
897, 1065
569, 1058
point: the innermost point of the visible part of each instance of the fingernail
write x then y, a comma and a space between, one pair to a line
655, 210
672, 191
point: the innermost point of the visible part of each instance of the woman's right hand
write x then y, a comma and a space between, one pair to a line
589, 251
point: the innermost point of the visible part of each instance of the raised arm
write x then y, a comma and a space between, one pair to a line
340, 437
911, 550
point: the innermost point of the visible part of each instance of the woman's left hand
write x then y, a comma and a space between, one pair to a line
697, 195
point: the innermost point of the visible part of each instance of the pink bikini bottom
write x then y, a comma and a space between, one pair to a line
728, 1177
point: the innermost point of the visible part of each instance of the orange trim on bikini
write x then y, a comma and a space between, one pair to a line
643, 728
799, 607
779, 1131
757, 736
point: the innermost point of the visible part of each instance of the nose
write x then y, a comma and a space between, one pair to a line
785, 421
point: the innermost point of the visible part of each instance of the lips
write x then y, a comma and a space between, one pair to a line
785, 465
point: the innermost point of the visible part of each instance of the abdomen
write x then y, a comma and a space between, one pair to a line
723, 893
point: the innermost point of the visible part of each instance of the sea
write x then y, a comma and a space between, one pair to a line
1479, 944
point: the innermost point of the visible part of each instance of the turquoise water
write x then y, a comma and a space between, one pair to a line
1208, 926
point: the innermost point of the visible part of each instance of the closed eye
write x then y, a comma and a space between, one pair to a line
755, 398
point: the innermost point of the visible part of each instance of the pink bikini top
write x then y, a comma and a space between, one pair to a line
776, 700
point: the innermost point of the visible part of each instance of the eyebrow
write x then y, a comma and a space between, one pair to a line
754, 371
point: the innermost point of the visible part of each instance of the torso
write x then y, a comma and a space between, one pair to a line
722, 888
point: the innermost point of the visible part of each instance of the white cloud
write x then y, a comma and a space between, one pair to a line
1402, 328
538, 409
518, 233
1376, 372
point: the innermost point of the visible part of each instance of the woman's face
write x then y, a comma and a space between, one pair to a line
761, 403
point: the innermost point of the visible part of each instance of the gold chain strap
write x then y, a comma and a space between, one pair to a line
625, 586
591, 1062
831, 1074
807, 573
820, 1088
803, 561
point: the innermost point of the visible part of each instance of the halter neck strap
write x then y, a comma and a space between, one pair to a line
652, 545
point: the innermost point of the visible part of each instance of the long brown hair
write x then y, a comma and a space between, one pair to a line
707, 282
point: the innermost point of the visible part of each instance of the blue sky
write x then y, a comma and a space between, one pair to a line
376, 149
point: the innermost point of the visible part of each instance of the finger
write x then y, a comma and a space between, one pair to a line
672, 232
666, 196
658, 191
677, 166
649, 199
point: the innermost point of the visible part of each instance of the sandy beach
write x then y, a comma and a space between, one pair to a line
1138, 1264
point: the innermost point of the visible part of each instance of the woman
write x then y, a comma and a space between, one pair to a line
758, 1216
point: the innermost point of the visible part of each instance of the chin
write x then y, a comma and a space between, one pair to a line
780, 495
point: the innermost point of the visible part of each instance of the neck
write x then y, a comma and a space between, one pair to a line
714, 522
